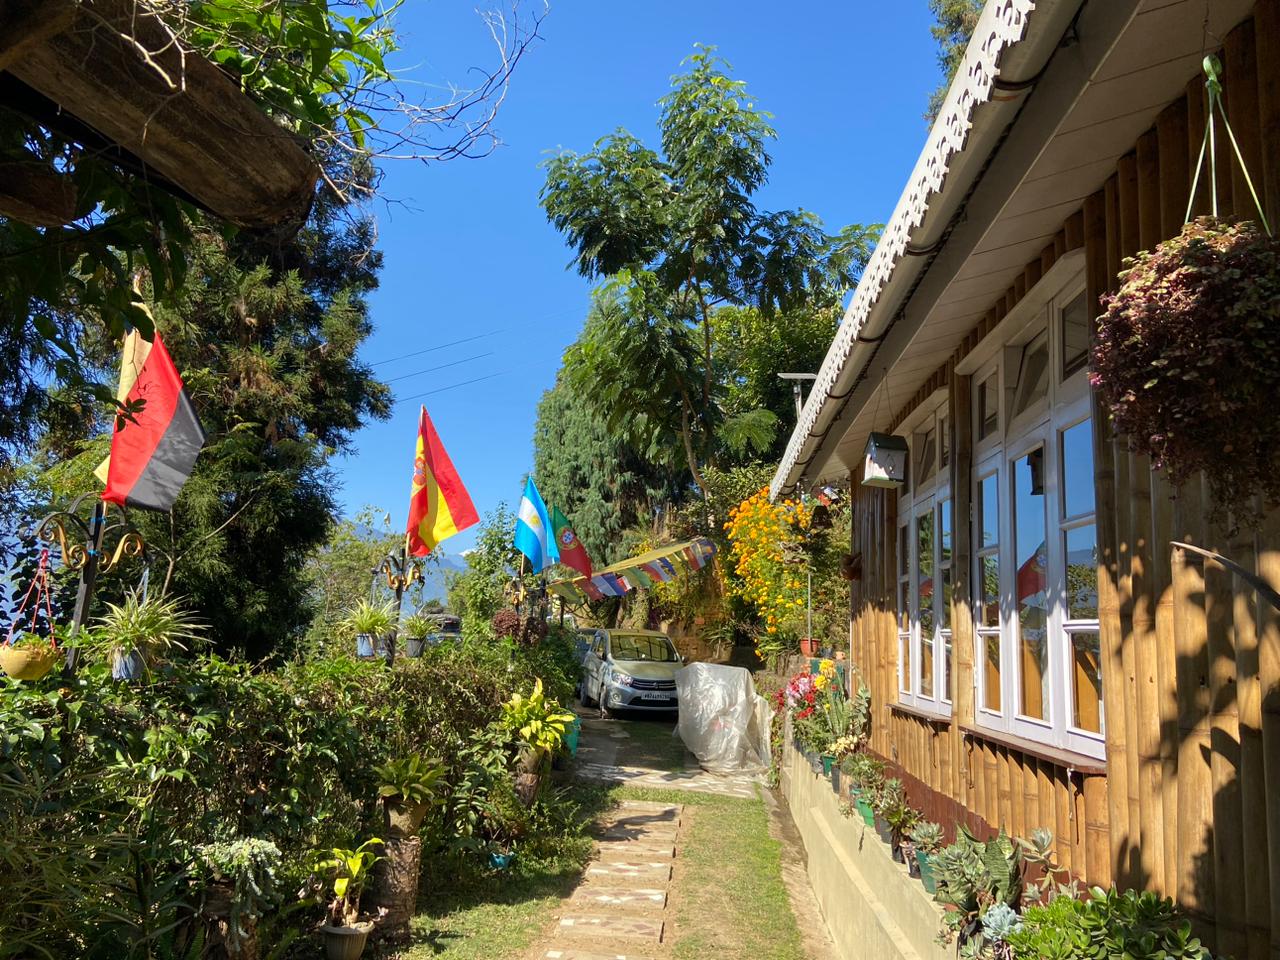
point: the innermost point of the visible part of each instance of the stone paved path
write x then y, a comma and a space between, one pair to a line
619, 911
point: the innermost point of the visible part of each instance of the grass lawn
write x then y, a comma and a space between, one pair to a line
728, 899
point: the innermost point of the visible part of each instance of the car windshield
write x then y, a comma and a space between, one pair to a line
657, 649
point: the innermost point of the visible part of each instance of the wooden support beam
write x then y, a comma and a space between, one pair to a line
180, 114
36, 194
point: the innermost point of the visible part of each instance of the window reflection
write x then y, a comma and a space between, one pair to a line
924, 560
1031, 582
1077, 469
1033, 375
1086, 676
989, 506
1075, 337
1082, 573
988, 407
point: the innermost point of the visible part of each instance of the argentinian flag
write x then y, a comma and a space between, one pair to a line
533, 530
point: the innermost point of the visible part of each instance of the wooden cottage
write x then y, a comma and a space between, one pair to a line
1038, 650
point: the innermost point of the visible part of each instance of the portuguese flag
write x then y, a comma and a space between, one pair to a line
154, 450
572, 552
439, 505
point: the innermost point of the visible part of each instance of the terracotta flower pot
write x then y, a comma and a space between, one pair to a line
808, 646
346, 942
27, 663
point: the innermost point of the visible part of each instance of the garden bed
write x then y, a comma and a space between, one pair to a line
871, 905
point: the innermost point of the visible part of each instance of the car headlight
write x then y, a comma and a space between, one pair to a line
622, 679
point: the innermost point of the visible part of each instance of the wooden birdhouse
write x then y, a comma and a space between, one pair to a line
886, 463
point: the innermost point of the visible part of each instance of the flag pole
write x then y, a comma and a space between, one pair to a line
88, 579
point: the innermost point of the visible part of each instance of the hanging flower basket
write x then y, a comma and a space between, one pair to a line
1187, 359
28, 661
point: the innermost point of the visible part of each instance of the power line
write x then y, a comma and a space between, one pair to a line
442, 346
443, 366
452, 386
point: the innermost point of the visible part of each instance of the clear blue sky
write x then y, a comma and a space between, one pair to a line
468, 250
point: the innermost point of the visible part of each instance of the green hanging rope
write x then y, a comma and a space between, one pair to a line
1213, 87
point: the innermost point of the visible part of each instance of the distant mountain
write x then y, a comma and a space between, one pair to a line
436, 576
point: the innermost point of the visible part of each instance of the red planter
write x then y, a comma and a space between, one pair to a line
808, 647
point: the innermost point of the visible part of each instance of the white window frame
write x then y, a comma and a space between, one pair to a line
1066, 404
916, 500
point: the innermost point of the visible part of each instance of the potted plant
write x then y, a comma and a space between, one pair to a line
416, 630
867, 774
370, 622
348, 872
408, 788
136, 633
926, 838
239, 888
891, 796
1186, 360
808, 647
28, 656
539, 726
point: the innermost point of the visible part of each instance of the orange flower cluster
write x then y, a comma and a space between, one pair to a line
759, 533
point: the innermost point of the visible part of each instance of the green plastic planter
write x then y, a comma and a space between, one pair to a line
571, 737
926, 871
864, 808
827, 763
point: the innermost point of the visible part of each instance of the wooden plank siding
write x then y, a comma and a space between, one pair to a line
1189, 801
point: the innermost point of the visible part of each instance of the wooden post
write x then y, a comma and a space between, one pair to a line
1098, 276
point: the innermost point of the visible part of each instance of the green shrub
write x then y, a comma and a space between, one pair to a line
108, 791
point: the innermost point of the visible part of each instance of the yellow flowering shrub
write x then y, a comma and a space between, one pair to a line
762, 534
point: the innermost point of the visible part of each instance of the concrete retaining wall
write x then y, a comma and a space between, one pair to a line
871, 905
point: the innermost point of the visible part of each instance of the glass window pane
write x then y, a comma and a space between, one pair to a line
989, 511
1077, 470
947, 692
1082, 573
904, 647
926, 665
990, 591
944, 532
989, 643
904, 552
988, 407
944, 611
1031, 583
904, 616
926, 445
1086, 681
924, 565
1075, 337
1033, 375
944, 440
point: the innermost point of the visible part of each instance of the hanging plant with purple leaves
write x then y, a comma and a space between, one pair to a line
1187, 359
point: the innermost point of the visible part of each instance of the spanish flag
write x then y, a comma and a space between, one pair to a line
439, 505
154, 451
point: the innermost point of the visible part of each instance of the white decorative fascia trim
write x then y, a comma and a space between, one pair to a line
1002, 24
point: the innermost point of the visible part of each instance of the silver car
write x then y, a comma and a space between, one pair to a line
630, 670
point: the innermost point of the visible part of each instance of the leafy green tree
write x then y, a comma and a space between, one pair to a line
954, 23
481, 591
341, 571
266, 337
321, 69
678, 234
597, 479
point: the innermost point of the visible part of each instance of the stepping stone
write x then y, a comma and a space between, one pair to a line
662, 837
654, 871
593, 897
650, 806
635, 850
605, 927
568, 953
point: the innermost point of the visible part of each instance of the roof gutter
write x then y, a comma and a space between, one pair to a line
955, 155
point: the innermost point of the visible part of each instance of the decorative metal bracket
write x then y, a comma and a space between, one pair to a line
75, 538
400, 571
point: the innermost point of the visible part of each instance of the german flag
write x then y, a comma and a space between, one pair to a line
439, 505
154, 450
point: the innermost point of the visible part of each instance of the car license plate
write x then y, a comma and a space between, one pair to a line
655, 696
